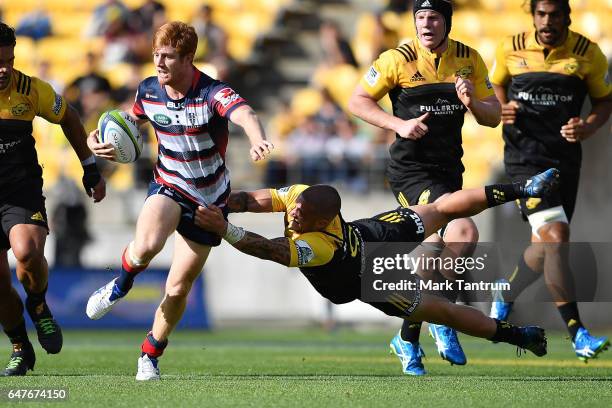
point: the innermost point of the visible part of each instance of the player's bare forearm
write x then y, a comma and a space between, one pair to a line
245, 117
250, 201
600, 112
275, 250
75, 133
500, 93
366, 108
486, 111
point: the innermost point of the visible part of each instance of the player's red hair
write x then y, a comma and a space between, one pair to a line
177, 35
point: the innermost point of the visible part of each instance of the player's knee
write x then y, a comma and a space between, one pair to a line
27, 253
147, 249
462, 230
554, 233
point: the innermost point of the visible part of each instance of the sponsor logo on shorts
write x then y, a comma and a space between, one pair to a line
372, 76
305, 253
532, 203
38, 217
424, 197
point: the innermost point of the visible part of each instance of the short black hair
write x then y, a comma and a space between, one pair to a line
7, 36
563, 4
325, 198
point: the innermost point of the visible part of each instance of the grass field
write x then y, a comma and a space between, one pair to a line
237, 368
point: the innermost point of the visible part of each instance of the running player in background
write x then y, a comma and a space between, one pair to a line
189, 112
330, 252
541, 78
22, 204
432, 82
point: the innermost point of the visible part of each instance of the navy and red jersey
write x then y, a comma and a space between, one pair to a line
192, 136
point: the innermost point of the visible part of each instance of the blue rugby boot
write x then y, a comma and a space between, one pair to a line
500, 310
542, 184
587, 346
447, 344
409, 355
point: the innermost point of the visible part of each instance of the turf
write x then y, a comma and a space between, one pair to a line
236, 368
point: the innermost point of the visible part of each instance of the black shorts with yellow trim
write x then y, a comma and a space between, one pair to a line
400, 304
565, 196
419, 187
23, 206
400, 225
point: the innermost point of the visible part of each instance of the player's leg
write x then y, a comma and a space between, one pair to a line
473, 322
424, 187
187, 263
27, 236
158, 218
11, 318
466, 203
459, 240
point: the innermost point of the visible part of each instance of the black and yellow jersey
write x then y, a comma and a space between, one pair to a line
330, 259
24, 98
550, 88
417, 82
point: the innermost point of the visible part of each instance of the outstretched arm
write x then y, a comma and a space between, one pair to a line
250, 201
245, 117
275, 250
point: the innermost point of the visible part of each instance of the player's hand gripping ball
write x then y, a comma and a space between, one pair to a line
120, 129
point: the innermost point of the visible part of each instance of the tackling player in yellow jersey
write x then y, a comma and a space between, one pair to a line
542, 78
22, 204
432, 82
330, 252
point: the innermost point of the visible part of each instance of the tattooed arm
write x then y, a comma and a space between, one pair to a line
276, 250
250, 201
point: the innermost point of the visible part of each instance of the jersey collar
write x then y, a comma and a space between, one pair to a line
424, 51
533, 44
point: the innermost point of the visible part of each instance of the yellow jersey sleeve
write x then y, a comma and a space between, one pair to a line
500, 74
383, 75
598, 80
482, 86
51, 106
310, 249
286, 196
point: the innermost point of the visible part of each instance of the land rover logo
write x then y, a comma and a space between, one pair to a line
161, 119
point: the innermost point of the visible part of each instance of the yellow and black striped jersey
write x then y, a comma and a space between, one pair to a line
550, 87
329, 259
23, 99
418, 81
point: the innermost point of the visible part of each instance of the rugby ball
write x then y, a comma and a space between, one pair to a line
119, 129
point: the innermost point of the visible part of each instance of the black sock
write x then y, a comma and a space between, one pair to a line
506, 333
571, 317
18, 334
36, 305
411, 332
502, 193
521, 278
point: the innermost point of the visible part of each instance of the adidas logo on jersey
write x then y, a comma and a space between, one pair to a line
417, 77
